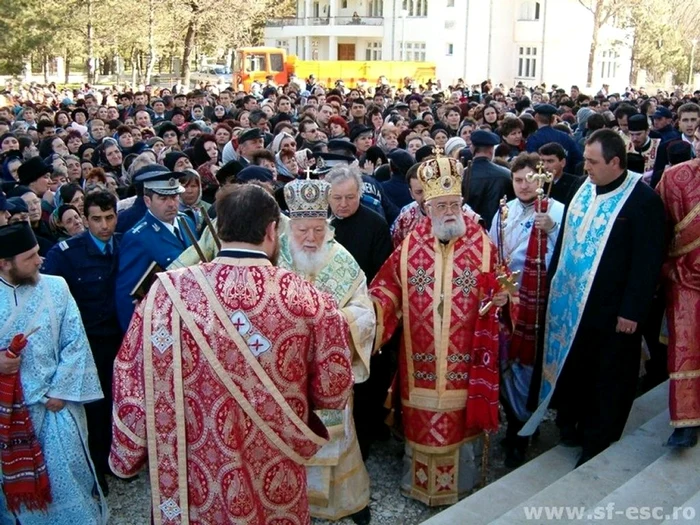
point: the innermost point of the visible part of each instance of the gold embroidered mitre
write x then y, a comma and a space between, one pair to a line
307, 198
440, 177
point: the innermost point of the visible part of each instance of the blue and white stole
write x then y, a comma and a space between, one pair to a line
587, 227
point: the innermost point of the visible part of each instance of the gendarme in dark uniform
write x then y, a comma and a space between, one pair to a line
485, 183
89, 265
546, 134
152, 239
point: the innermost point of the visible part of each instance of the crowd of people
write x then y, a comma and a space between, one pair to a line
243, 291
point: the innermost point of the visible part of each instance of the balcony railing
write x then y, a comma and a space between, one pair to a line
328, 20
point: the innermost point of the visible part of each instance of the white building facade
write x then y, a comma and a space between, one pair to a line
507, 41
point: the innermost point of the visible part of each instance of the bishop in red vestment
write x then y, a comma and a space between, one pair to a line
435, 282
219, 374
680, 190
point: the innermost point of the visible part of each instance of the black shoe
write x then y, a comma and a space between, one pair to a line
569, 437
585, 457
686, 437
514, 458
364, 517
103, 482
506, 443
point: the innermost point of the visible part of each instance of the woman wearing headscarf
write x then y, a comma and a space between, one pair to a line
206, 158
191, 202
11, 161
282, 141
66, 194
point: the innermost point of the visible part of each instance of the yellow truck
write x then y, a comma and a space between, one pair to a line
257, 63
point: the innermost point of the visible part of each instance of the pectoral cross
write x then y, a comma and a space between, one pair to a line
508, 283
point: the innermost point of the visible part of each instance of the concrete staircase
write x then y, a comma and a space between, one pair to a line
635, 475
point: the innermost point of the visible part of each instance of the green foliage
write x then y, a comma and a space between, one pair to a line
34, 28
664, 30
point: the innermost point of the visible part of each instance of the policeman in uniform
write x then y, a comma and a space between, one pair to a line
160, 237
544, 116
89, 262
484, 183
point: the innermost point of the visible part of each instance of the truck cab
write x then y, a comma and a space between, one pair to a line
256, 64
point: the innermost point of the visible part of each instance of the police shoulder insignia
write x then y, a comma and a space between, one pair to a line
63, 245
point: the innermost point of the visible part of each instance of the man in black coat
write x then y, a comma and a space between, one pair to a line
365, 234
553, 155
598, 375
484, 183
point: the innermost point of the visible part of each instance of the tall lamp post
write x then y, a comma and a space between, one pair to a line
694, 41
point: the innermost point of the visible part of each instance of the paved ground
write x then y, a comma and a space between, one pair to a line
129, 502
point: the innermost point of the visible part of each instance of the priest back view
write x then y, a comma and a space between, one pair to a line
219, 374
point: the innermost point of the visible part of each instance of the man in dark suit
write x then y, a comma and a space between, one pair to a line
564, 185
484, 183
604, 270
160, 237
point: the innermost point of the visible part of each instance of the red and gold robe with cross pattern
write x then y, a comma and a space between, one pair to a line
215, 385
436, 289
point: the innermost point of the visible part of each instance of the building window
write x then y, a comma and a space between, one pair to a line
450, 3
449, 24
530, 10
413, 51
376, 8
608, 64
373, 51
450, 50
527, 62
282, 44
416, 7
344, 4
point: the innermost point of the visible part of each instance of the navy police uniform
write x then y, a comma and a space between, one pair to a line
150, 240
485, 186
145, 243
91, 274
547, 134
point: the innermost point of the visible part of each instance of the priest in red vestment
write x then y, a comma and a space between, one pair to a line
680, 190
218, 377
435, 282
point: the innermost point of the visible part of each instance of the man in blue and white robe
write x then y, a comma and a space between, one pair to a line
58, 376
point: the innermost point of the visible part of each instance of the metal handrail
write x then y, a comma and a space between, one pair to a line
324, 21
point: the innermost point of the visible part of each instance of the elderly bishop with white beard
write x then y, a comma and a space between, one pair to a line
338, 483
438, 283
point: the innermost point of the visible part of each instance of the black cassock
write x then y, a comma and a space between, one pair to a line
597, 385
366, 236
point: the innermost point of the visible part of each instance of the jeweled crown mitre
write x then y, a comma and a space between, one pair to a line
307, 198
440, 176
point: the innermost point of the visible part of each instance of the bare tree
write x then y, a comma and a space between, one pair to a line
603, 11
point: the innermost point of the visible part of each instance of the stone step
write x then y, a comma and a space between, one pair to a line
667, 483
647, 406
689, 511
603, 474
499, 497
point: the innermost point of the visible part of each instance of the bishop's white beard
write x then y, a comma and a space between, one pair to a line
448, 231
309, 263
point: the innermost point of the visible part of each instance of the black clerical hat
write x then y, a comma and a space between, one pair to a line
15, 239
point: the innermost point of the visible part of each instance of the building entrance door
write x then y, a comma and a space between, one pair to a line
346, 51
